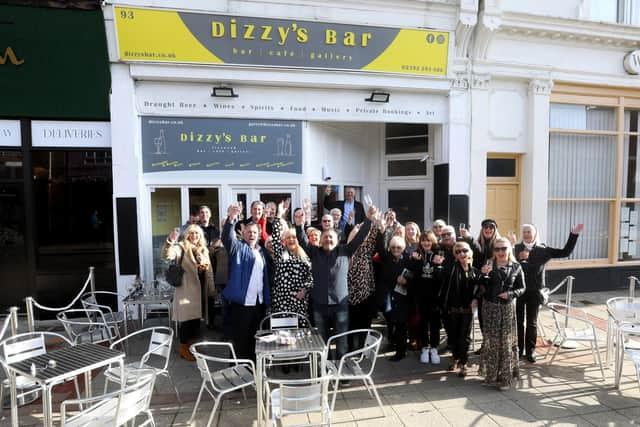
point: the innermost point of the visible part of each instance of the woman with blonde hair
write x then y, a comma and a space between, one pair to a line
411, 235
293, 279
503, 283
461, 280
193, 255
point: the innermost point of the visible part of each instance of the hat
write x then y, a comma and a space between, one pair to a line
489, 222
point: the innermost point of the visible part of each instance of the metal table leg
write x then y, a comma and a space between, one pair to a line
259, 390
47, 406
14, 398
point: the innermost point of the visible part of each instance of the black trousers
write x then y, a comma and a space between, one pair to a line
360, 317
400, 337
459, 340
528, 307
245, 321
429, 323
189, 330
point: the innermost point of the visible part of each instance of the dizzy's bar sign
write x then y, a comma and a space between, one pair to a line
175, 143
185, 37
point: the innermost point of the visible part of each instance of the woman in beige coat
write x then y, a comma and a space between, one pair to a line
196, 281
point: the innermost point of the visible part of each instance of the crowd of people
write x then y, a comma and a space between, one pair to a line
358, 262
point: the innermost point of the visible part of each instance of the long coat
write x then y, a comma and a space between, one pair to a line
187, 301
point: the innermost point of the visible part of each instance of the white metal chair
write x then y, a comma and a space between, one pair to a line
86, 325
629, 332
115, 319
115, 408
156, 357
238, 376
285, 320
574, 328
355, 365
23, 346
300, 397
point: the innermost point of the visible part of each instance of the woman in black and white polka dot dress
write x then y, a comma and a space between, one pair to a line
293, 279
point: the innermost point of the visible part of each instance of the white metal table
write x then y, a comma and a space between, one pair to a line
69, 362
143, 299
303, 341
622, 310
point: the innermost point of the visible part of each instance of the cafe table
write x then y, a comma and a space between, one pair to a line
59, 365
282, 343
141, 299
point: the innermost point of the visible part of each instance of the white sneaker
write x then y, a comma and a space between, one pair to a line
424, 356
435, 358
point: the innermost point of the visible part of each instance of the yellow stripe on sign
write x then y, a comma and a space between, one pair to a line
414, 52
157, 35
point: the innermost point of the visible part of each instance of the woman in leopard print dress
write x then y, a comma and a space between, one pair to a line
292, 279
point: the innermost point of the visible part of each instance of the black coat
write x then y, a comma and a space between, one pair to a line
534, 274
509, 279
459, 288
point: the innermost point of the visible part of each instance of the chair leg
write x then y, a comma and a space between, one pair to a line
336, 386
151, 420
373, 387
599, 361
214, 410
175, 389
366, 384
2, 400
195, 408
555, 353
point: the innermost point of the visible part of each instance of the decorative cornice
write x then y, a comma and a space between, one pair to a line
467, 20
570, 30
540, 87
460, 82
480, 81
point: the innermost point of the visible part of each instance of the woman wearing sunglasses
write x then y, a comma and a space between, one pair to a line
459, 299
503, 283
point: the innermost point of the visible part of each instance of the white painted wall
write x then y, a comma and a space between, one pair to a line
562, 8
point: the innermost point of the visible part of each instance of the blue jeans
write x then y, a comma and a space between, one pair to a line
334, 316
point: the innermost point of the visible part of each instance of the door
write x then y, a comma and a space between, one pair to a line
503, 191
275, 194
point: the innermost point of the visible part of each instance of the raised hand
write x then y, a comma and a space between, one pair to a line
233, 212
173, 236
371, 212
299, 218
281, 209
578, 229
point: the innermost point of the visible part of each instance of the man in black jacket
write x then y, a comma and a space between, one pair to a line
346, 206
330, 266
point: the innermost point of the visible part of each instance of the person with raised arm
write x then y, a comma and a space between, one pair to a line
247, 288
330, 267
534, 256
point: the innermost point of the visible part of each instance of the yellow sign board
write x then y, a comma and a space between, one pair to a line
150, 35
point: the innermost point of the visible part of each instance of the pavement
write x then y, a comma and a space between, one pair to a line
568, 392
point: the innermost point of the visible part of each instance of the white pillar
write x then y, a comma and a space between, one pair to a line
535, 164
457, 137
478, 154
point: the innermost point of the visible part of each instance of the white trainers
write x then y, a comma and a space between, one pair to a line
435, 358
424, 356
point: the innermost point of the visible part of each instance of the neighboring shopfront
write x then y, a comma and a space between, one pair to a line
55, 154
214, 108
555, 133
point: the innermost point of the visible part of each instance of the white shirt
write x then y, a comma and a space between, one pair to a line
254, 291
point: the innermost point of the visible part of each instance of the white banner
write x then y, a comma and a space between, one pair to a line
290, 103
71, 134
10, 133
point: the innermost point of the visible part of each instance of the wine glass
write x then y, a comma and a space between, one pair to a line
367, 201
488, 263
441, 254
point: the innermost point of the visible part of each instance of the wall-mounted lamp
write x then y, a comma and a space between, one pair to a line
378, 97
224, 92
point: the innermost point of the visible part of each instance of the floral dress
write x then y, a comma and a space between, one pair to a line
292, 274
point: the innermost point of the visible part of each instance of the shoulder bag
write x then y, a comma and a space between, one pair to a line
174, 273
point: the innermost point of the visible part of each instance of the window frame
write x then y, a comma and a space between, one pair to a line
409, 156
620, 99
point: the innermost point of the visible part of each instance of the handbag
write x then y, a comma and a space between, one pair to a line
174, 273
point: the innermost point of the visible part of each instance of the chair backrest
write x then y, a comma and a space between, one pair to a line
301, 396
23, 346
284, 320
86, 325
160, 344
207, 362
136, 398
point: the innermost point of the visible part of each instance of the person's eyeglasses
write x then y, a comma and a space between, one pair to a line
437, 226
447, 234
396, 247
326, 220
500, 249
462, 251
489, 226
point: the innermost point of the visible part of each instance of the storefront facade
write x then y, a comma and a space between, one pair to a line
523, 113
55, 154
298, 120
